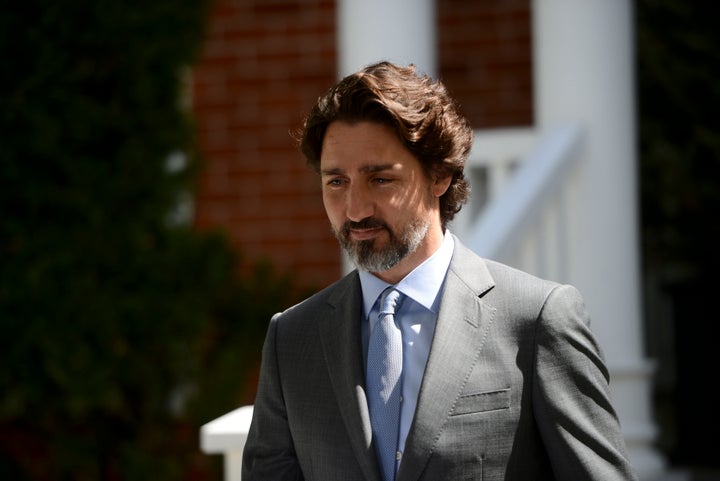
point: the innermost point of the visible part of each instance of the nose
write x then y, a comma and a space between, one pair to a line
359, 203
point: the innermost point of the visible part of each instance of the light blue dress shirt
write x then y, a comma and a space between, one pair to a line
417, 315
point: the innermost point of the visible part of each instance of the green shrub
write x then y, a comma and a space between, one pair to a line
121, 330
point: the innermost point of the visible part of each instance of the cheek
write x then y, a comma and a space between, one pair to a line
333, 206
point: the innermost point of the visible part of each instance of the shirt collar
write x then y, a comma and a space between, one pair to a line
422, 284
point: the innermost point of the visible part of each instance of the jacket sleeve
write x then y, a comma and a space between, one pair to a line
571, 397
269, 451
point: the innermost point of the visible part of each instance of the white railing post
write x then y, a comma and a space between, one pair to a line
226, 435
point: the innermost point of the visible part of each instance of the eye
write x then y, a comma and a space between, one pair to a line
382, 180
335, 182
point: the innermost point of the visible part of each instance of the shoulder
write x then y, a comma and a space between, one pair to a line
514, 279
336, 293
511, 289
554, 305
495, 278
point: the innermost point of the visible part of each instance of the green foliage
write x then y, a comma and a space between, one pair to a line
679, 93
121, 332
678, 68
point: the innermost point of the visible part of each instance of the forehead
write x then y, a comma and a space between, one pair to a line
362, 144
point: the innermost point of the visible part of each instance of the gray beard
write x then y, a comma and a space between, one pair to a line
368, 258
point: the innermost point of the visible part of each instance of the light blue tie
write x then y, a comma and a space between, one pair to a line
384, 371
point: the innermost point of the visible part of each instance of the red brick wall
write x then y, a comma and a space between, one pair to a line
485, 59
263, 65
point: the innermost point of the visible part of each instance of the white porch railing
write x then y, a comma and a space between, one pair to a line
517, 207
495, 154
527, 223
226, 435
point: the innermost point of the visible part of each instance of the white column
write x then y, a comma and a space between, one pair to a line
402, 31
584, 71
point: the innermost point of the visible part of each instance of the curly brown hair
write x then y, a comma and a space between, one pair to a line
419, 109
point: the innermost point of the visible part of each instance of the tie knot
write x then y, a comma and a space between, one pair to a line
389, 301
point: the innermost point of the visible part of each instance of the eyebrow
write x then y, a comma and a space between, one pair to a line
367, 169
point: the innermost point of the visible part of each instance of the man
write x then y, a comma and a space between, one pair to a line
471, 371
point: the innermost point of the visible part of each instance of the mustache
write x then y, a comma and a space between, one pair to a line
366, 223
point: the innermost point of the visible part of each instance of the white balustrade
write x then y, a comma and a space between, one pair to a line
226, 435
494, 156
526, 223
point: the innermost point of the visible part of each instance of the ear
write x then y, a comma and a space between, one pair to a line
440, 185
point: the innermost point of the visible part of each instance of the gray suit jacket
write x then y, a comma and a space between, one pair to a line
515, 388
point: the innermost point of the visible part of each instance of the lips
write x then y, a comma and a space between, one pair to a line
365, 234
365, 229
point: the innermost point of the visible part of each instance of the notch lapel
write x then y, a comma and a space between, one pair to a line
341, 340
463, 323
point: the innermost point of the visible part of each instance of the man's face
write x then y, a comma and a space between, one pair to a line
383, 208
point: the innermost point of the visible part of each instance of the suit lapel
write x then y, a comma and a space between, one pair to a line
462, 323
341, 340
